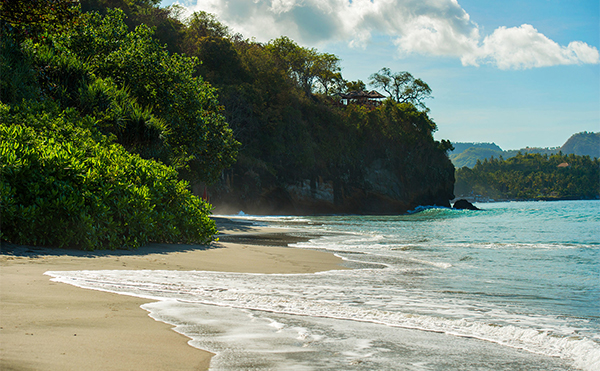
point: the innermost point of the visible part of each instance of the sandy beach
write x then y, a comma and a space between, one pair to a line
53, 326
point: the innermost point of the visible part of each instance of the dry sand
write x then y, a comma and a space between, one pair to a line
54, 326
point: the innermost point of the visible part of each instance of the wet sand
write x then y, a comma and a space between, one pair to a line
53, 326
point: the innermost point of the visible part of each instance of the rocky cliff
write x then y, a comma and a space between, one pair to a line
382, 189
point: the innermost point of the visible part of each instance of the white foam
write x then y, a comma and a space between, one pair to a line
324, 296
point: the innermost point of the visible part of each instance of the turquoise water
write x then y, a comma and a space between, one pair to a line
515, 286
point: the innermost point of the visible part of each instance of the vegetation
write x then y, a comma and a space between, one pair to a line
282, 102
111, 109
95, 122
470, 156
532, 176
467, 154
64, 184
583, 144
34, 18
401, 86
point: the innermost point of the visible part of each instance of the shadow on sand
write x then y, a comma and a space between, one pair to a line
152, 248
231, 231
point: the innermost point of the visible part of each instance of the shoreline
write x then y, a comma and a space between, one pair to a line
54, 326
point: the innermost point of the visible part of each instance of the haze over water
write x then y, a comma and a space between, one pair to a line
514, 286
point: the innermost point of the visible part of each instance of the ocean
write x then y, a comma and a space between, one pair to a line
514, 286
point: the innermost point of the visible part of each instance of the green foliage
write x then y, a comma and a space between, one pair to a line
220, 62
401, 86
157, 108
166, 21
355, 86
202, 24
532, 176
63, 185
78, 108
305, 65
32, 18
17, 77
117, 114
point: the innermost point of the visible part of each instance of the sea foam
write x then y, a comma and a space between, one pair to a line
322, 296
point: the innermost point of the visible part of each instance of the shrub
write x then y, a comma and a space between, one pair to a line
64, 184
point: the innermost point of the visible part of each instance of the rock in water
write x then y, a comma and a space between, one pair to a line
464, 205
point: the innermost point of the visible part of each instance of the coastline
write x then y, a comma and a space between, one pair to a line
54, 326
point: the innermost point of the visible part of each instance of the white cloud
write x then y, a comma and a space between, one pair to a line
430, 27
435, 36
524, 47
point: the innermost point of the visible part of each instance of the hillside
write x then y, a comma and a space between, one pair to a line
303, 150
116, 116
470, 155
530, 177
460, 147
95, 143
583, 144
467, 154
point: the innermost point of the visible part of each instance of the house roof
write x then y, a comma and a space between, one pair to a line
362, 94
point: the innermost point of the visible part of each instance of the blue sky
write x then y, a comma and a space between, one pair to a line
517, 73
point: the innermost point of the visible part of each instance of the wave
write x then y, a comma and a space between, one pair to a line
422, 209
290, 294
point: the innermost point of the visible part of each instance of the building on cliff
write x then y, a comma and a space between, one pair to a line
372, 98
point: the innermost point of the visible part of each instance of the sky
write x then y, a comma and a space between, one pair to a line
519, 73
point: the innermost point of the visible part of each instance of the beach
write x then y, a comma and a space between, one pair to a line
55, 326
441, 289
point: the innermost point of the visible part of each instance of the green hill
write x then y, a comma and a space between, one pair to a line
460, 147
471, 155
583, 144
531, 176
98, 126
467, 154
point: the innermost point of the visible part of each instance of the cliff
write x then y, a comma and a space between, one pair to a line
384, 162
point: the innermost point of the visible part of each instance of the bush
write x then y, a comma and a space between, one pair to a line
64, 184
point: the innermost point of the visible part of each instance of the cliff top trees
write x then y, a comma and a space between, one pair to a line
203, 24
307, 65
401, 86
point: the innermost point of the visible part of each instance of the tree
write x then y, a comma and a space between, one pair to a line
203, 24
532, 176
296, 60
327, 70
401, 86
306, 65
355, 86
219, 61
196, 138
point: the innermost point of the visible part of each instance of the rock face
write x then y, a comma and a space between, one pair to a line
464, 205
380, 188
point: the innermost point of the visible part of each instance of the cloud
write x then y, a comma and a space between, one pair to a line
429, 27
524, 47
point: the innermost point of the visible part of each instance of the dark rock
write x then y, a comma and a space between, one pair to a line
464, 205
379, 186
